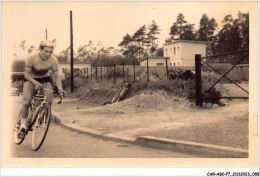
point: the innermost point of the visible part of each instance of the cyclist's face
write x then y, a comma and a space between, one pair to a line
46, 53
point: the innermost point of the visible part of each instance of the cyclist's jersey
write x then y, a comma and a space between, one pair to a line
39, 67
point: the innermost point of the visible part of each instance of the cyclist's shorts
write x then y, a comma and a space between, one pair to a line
41, 80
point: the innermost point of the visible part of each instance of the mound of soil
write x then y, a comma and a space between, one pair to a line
147, 101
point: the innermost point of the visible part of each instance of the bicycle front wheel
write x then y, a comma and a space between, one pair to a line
18, 138
41, 126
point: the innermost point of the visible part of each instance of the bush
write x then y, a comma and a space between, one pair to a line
78, 82
179, 87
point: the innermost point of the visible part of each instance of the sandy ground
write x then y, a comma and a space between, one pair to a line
156, 113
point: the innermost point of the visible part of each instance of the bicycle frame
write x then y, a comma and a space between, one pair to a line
34, 109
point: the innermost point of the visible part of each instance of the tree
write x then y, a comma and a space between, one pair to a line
23, 46
82, 53
174, 31
65, 55
243, 24
207, 28
159, 52
152, 39
188, 32
180, 22
31, 49
139, 38
178, 27
234, 35
128, 46
181, 29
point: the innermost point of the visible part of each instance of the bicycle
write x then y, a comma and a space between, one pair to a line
121, 93
39, 117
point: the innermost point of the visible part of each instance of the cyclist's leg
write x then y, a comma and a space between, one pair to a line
28, 89
48, 85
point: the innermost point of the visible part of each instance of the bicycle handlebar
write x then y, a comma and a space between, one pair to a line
61, 97
48, 90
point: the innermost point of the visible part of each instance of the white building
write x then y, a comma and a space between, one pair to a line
154, 61
182, 52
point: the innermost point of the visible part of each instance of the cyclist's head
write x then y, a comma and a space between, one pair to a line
47, 43
46, 49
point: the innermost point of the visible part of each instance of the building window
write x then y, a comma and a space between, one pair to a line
173, 64
178, 64
174, 51
170, 51
170, 64
159, 64
178, 50
166, 54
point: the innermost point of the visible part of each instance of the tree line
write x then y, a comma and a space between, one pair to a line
232, 35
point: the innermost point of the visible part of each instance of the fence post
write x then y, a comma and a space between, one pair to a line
101, 72
114, 74
198, 80
166, 67
123, 71
91, 73
147, 70
96, 74
107, 72
134, 69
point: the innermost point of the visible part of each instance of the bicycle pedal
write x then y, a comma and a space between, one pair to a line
21, 135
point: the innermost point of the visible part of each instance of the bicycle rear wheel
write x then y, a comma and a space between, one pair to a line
115, 98
41, 126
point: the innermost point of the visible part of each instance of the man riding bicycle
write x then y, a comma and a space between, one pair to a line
37, 71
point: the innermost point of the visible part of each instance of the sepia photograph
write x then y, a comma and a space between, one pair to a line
129, 84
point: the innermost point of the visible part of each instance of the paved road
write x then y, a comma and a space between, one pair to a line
65, 143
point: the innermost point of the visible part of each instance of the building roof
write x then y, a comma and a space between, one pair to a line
160, 58
187, 41
75, 62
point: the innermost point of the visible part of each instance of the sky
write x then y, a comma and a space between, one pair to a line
108, 22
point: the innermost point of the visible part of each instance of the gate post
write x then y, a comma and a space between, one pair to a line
198, 80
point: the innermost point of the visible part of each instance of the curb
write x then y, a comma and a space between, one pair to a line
200, 149
205, 150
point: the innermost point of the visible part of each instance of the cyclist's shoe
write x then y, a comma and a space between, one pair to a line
24, 128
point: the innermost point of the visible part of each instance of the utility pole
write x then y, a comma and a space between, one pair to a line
46, 34
71, 54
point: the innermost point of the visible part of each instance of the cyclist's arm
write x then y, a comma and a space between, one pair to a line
55, 70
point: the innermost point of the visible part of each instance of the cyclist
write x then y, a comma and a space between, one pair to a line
37, 71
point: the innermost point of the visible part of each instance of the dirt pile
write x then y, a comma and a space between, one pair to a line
147, 101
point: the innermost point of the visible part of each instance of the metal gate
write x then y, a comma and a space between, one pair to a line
200, 97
